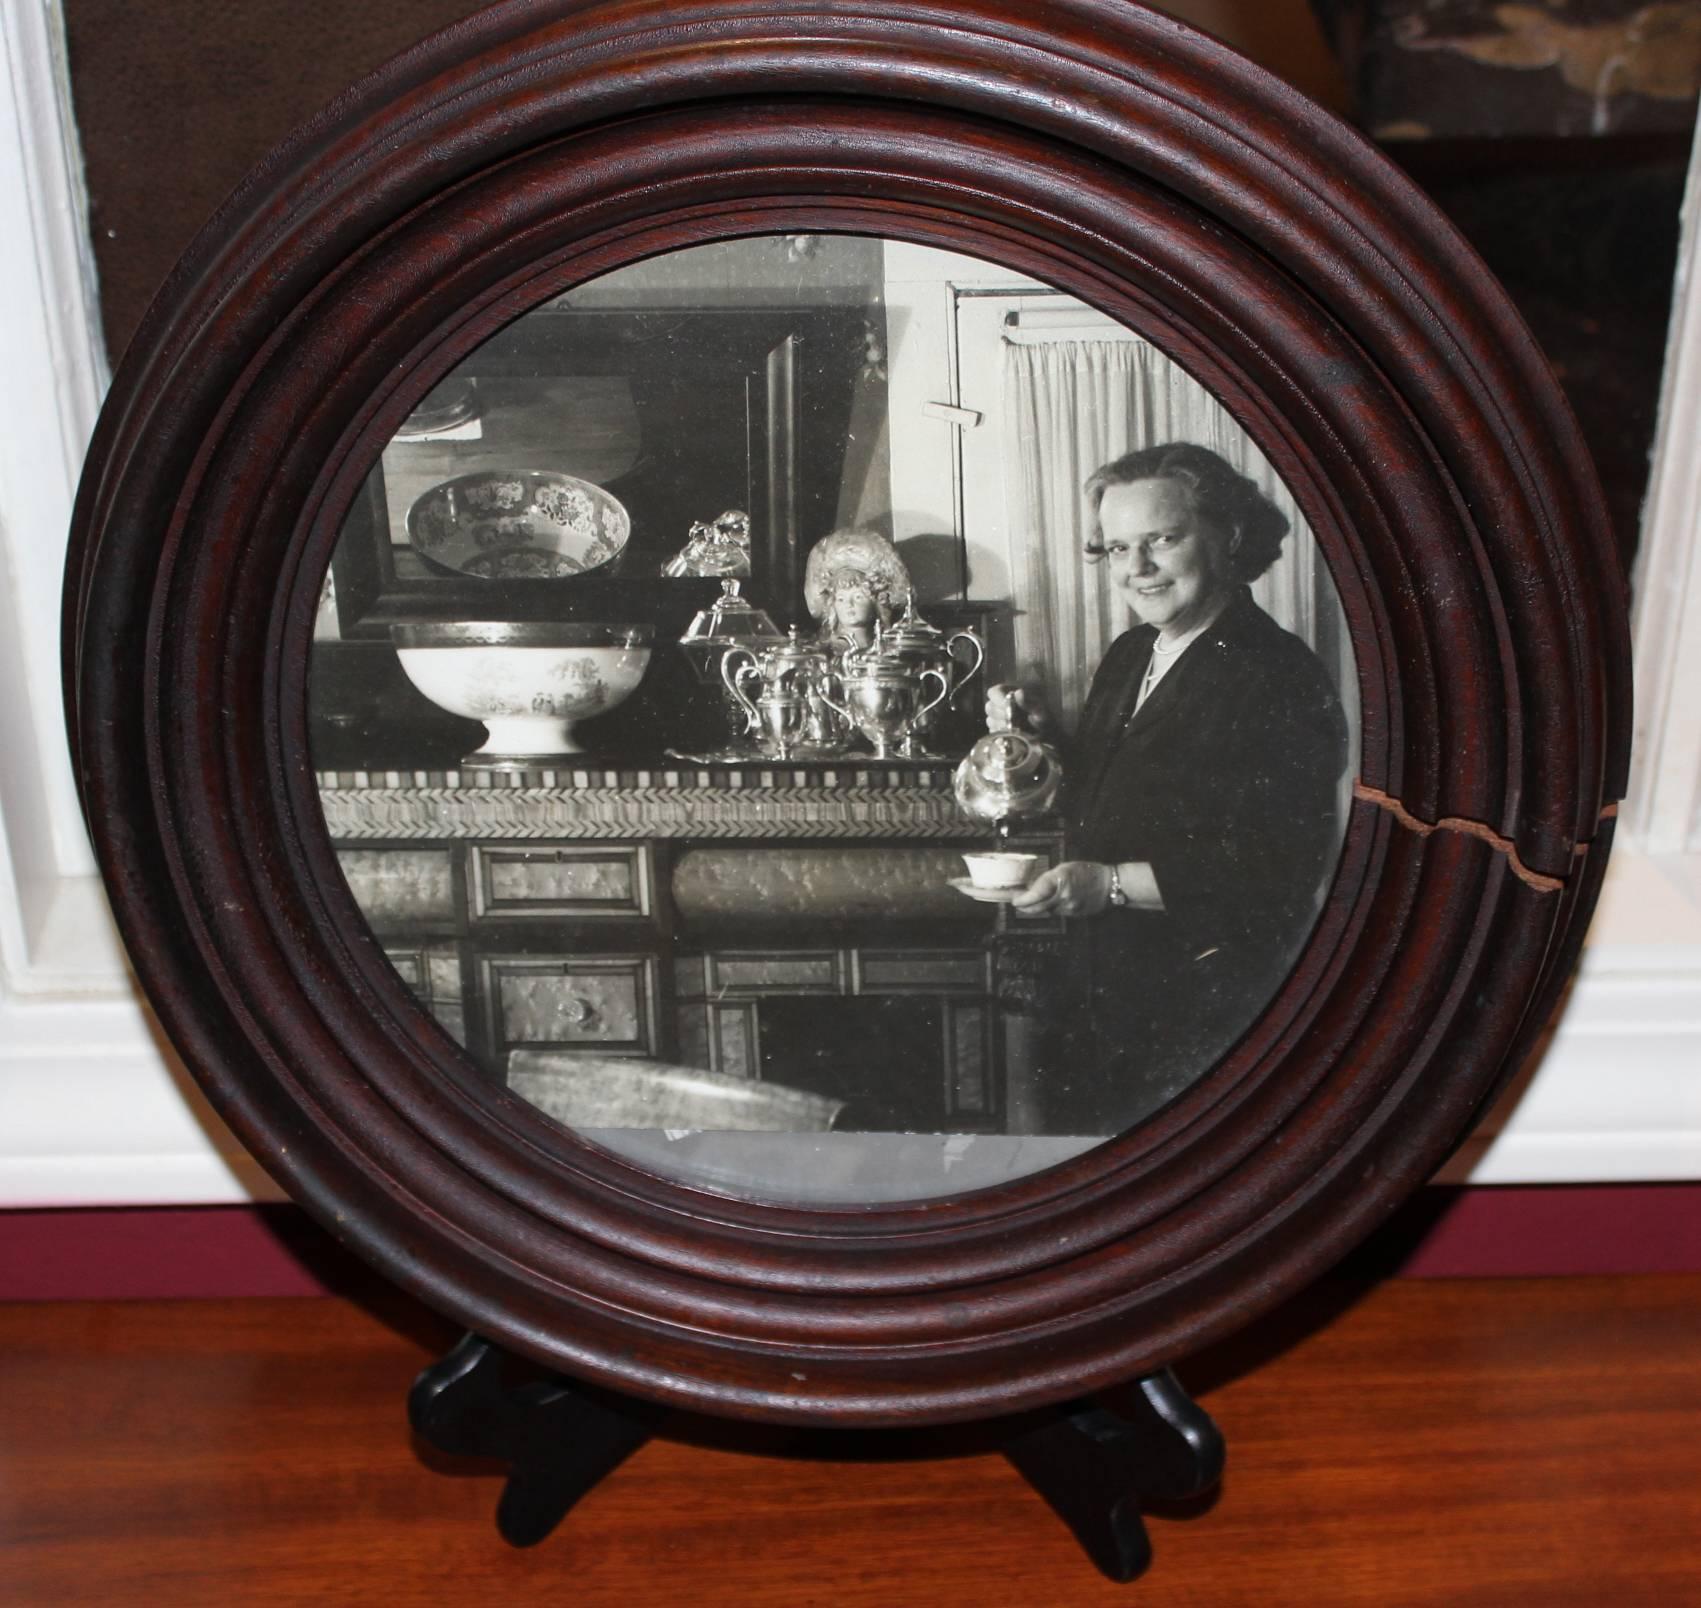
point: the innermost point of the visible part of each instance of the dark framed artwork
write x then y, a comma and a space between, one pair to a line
769, 387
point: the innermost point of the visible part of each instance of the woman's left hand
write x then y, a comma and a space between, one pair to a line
1074, 888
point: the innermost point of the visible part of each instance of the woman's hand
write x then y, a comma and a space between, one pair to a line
1074, 888
1019, 708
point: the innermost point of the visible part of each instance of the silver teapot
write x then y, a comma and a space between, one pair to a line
922, 644
791, 712
917, 646
1009, 774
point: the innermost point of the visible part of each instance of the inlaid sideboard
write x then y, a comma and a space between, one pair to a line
788, 922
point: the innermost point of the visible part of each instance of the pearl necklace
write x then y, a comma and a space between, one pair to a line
1157, 666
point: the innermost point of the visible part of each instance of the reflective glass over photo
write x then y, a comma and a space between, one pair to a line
833, 720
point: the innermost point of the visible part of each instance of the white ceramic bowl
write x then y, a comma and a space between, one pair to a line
530, 683
525, 524
1003, 870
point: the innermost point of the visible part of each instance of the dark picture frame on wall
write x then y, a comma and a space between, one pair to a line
1138, 167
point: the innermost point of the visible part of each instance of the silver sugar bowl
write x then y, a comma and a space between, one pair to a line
884, 698
915, 647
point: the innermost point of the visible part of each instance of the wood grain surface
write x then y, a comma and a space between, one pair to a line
1419, 1442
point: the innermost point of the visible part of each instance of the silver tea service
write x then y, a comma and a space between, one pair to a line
799, 698
883, 700
791, 715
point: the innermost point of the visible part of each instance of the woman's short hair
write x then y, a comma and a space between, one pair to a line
1224, 499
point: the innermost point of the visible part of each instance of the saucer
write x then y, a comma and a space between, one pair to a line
985, 895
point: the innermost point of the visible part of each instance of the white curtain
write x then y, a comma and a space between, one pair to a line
1071, 406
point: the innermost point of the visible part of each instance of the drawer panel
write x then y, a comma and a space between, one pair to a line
923, 971
778, 971
606, 1000
396, 887
569, 879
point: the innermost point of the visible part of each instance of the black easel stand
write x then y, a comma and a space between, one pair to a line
1094, 1462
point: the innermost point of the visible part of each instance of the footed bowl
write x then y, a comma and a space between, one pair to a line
530, 683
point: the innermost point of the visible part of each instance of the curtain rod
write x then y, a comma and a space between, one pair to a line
1032, 326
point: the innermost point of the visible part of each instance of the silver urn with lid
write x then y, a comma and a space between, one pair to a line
731, 622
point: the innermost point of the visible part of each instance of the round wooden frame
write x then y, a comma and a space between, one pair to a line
1110, 151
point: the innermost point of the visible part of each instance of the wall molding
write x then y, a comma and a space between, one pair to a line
1662, 811
56, 937
95, 1110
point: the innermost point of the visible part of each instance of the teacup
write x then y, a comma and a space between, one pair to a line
1003, 870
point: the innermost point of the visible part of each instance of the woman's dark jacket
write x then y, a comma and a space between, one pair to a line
1225, 782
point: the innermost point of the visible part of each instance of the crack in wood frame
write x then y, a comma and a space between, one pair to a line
1539, 880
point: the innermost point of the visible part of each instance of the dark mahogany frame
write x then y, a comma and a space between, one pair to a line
1110, 151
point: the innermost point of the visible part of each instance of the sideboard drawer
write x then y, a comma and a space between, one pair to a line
400, 887
544, 1001
562, 880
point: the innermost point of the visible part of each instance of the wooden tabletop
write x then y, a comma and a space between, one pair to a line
1410, 1442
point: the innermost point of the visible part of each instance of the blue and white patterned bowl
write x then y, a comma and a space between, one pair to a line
528, 524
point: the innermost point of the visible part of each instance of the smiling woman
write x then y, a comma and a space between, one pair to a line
1200, 815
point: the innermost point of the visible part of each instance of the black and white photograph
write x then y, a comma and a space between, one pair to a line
833, 718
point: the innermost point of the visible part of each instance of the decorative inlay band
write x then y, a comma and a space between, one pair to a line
855, 770
643, 812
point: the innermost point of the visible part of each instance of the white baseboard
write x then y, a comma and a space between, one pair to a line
1616, 1095
1615, 1098
94, 1111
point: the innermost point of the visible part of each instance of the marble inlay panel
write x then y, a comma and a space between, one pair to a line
410, 967
966, 1055
736, 1040
810, 882
400, 885
570, 879
552, 1003
786, 971
433, 974
445, 1000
